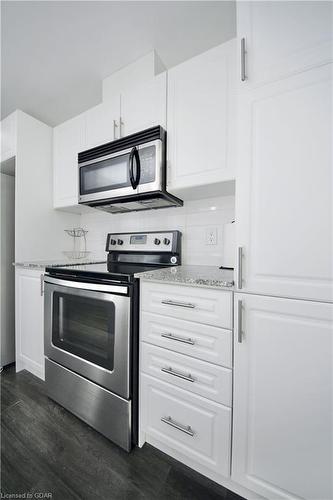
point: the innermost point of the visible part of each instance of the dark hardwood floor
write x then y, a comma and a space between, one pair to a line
46, 449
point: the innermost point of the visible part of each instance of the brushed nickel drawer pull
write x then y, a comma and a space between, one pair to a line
170, 336
180, 304
184, 428
170, 371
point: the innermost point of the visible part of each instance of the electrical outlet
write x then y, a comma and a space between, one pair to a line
211, 236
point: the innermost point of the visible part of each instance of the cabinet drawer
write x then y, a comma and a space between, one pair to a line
202, 305
207, 380
196, 427
194, 339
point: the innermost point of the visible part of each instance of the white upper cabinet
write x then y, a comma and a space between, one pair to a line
282, 435
282, 38
68, 141
8, 137
201, 120
284, 187
144, 106
103, 123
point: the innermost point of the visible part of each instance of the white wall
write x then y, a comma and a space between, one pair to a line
7, 276
193, 220
39, 228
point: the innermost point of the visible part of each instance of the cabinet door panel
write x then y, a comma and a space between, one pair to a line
144, 106
29, 311
200, 110
210, 423
284, 189
68, 141
284, 37
102, 123
282, 446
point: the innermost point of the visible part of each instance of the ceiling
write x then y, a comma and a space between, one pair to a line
54, 54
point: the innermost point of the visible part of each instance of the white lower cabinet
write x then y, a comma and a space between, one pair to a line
29, 321
186, 375
192, 426
283, 395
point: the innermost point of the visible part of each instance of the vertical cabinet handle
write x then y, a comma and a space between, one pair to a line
243, 60
121, 123
240, 268
42, 285
115, 126
239, 321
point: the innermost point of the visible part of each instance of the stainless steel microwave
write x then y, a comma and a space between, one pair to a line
126, 175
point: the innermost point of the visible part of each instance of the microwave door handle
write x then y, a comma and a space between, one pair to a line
134, 154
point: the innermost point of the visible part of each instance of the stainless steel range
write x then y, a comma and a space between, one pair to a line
91, 331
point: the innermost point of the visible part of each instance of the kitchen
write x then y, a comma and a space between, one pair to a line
166, 328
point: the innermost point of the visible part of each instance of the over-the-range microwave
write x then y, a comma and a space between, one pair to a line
127, 174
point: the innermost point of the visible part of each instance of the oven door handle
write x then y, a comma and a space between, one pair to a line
134, 154
93, 287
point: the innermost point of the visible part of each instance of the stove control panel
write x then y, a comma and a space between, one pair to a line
161, 241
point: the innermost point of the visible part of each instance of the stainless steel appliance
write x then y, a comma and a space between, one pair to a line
126, 175
91, 331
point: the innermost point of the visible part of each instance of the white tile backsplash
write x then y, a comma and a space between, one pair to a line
192, 220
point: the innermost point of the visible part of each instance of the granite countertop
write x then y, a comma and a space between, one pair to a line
203, 276
42, 264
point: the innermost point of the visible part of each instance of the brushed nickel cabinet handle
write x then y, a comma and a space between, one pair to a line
170, 371
179, 304
243, 60
239, 321
170, 336
115, 126
121, 123
184, 428
240, 268
42, 285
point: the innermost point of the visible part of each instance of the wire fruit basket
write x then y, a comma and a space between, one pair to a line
77, 253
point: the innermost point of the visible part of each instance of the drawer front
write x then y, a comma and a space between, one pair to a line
191, 425
194, 339
202, 378
202, 305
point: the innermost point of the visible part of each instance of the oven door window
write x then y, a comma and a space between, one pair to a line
85, 327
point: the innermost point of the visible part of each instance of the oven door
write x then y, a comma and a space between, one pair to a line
135, 170
87, 330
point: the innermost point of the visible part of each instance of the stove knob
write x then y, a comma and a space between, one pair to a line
157, 241
120, 242
166, 241
113, 242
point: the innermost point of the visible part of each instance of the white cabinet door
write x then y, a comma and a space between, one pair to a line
284, 187
282, 436
201, 118
144, 106
68, 141
29, 319
102, 123
282, 38
8, 137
